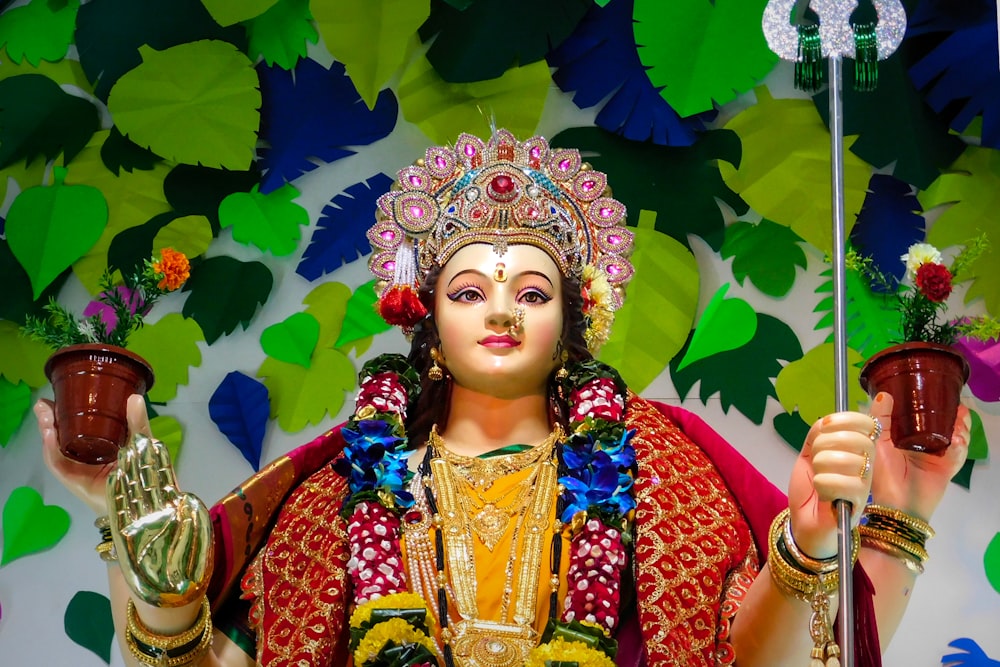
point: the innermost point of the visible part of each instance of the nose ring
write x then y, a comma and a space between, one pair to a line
517, 321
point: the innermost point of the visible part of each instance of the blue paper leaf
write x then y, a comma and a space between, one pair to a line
599, 60
339, 237
961, 78
240, 408
889, 222
973, 655
313, 113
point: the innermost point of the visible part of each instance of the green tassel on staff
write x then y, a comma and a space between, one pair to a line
865, 57
810, 75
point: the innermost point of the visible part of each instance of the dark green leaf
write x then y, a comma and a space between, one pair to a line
792, 428
119, 152
17, 303
133, 246
225, 292
679, 184
964, 476
766, 252
88, 622
196, 190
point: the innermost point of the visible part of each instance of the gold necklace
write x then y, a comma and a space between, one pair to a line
482, 473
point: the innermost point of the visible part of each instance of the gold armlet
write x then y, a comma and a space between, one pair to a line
185, 648
106, 547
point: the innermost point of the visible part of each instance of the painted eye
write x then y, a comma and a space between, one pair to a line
466, 296
535, 296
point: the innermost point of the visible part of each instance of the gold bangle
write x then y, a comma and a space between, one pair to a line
909, 560
917, 551
106, 550
800, 558
891, 514
182, 657
793, 577
168, 642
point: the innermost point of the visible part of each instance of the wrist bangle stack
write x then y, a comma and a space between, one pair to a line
898, 534
106, 547
796, 573
156, 650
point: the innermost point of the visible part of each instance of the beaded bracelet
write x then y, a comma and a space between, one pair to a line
106, 547
177, 650
897, 533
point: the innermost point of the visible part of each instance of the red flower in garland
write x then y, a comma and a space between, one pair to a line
934, 281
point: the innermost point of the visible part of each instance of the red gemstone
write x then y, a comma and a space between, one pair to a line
502, 184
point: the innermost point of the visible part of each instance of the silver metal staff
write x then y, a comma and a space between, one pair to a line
804, 32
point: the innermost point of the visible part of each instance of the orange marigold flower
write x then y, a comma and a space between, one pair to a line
174, 267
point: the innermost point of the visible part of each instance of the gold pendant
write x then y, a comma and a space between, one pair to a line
488, 644
490, 525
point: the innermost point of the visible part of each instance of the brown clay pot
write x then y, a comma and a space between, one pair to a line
92, 383
925, 381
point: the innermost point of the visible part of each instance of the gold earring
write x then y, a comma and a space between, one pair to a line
435, 372
562, 373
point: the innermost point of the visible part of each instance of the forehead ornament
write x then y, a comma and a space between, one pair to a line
500, 272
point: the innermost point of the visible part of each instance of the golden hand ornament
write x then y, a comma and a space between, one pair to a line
163, 536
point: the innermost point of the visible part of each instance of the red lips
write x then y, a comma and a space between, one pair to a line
499, 341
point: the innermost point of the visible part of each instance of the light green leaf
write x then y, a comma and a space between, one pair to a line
301, 397
62, 72
654, 323
270, 222
22, 359
171, 347
361, 319
872, 319
785, 171
15, 402
371, 38
291, 340
190, 234
38, 31
725, 324
168, 430
228, 12
281, 35
328, 303
808, 383
196, 103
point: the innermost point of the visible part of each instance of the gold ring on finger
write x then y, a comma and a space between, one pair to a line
866, 467
876, 431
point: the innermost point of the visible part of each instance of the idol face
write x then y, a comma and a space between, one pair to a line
500, 319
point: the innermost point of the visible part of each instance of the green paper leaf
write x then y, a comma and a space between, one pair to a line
270, 222
39, 119
973, 184
131, 248
88, 622
226, 292
38, 31
171, 347
680, 184
15, 402
791, 428
725, 324
228, 12
361, 319
191, 235
872, 321
964, 476
302, 397
327, 302
49, 228
200, 190
196, 103
991, 562
18, 300
22, 359
767, 253
654, 323
758, 362
292, 340
24, 175
371, 38
29, 525
119, 152
168, 431
445, 110
281, 35
63, 72
979, 448
785, 171
808, 383
701, 54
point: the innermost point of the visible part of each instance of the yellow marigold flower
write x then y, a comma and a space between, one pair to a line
174, 267
598, 307
363, 613
560, 649
396, 629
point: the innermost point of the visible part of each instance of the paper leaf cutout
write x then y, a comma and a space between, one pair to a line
680, 184
282, 34
972, 654
327, 302
191, 235
984, 367
132, 247
888, 224
791, 428
119, 152
701, 54
530, 29
444, 110
974, 184
197, 190
228, 12
23, 175
599, 64
979, 448
314, 113
992, 561
226, 292
62, 72
39, 120
39, 30
872, 323
88, 622
29, 525
807, 384
292, 340
18, 297
21, 359
171, 347
240, 407
195, 103
758, 361
725, 325
894, 126
270, 222
168, 431
785, 170
339, 237
49, 228
361, 319
962, 83
15, 402
654, 323
109, 34
371, 37
765, 252
301, 397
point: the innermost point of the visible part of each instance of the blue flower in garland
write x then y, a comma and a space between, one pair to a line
580, 449
375, 460
599, 485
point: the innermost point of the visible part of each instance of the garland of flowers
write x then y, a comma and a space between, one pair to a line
391, 627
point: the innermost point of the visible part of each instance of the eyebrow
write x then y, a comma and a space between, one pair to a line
519, 275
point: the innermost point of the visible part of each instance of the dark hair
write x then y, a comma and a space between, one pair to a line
435, 397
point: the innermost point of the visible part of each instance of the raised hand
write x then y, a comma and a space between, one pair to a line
163, 536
